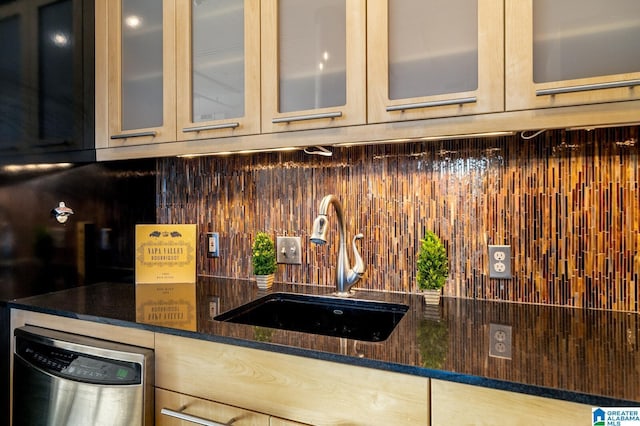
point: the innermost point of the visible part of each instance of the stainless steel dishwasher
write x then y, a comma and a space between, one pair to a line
66, 379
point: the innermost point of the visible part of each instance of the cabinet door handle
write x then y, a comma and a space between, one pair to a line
189, 418
211, 127
445, 102
306, 117
587, 87
133, 135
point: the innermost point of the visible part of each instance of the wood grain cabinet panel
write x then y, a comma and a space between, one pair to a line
126, 335
460, 404
202, 409
290, 387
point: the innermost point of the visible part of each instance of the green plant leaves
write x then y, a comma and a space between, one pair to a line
263, 255
432, 264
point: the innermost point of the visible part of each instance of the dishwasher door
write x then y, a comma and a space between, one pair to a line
66, 379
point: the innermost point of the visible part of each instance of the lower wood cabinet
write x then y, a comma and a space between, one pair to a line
236, 385
460, 404
210, 411
126, 335
274, 421
294, 388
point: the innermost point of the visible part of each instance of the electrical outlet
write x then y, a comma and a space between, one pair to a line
214, 307
288, 250
500, 341
500, 262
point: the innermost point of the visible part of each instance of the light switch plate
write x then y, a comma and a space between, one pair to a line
500, 262
288, 250
212, 244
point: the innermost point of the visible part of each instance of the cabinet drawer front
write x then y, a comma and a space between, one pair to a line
456, 404
203, 409
291, 387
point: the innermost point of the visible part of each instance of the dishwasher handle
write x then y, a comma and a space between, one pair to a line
191, 418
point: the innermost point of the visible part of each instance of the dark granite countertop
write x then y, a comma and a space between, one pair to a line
579, 355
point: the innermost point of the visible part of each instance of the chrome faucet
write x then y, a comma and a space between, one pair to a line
346, 277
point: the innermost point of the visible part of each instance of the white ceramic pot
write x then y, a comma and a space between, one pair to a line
432, 297
265, 282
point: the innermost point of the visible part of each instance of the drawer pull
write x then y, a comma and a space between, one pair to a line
445, 102
133, 135
189, 418
587, 87
307, 117
211, 127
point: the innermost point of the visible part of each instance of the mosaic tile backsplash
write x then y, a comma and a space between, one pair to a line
567, 202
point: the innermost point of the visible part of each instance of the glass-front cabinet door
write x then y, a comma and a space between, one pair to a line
141, 71
42, 76
571, 52
218, 68
434, 58
313, 64
14, 108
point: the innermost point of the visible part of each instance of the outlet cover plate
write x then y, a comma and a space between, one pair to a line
288, 250
500, 262
500, 341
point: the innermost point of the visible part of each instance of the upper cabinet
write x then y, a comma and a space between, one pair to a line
218, 60
212, 76
562, 53
46, 81
140, 72
164, 85
434, 58
313, 64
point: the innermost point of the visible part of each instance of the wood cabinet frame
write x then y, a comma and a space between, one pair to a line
250, 123
109, 131
523, 93
353, 112
488, 97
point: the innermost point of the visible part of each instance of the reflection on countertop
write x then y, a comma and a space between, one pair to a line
586, 356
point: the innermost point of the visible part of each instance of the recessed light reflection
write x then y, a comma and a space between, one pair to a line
325, 58
60, 39
132, 21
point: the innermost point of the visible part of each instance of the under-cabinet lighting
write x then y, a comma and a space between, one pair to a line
246, 151
347, 144
14, 168
431, 138
602, 126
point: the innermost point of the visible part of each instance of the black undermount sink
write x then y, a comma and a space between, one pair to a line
330, 316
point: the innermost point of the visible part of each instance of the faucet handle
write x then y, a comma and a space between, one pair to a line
358, 267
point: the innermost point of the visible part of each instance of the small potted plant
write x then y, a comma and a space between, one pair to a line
263, 259
432, 267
